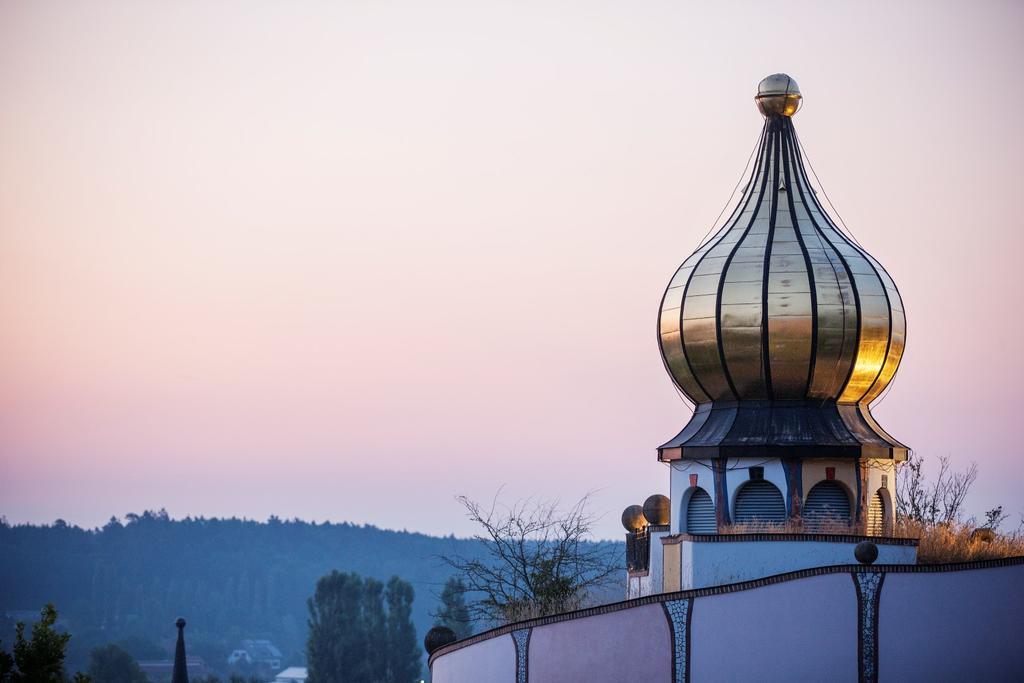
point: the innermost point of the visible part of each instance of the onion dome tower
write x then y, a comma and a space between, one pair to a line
782, 331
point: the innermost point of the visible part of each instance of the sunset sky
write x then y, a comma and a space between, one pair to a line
349, 260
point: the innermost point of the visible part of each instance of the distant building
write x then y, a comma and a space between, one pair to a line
262, 653
293, 674
158, 670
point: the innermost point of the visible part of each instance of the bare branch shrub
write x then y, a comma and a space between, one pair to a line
938, 502
537, 560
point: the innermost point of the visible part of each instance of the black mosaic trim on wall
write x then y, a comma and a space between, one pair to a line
521, 638
724, 589
679, 614
813, 538
869, 595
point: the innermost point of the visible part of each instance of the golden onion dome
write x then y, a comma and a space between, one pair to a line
780, 328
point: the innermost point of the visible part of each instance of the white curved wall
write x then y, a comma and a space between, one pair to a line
802, 630
632, 648
489, 660
956, 624
963, 626
715, 564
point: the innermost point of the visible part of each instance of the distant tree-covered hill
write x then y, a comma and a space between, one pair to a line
232, 579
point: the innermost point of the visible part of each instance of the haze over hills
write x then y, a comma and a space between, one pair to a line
231, 578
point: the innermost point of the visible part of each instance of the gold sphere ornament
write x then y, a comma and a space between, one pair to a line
656, 510
633, 518
778, 95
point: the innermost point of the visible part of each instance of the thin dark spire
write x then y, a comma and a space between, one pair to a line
180, 674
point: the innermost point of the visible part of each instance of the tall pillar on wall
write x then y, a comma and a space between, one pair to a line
860, 511
721, 493
794, 469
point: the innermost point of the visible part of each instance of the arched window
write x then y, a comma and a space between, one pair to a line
700, 514
878, 519
759, 501
876, 515
827, 505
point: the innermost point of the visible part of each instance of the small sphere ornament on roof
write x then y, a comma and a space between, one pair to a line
866, 552
778, 95
656, 509
438, 637
633, 518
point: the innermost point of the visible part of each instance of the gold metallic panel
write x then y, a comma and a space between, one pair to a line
702, 306
787, 283
787, 263
751, 271
673, 298
742, 349
783, 305
703, 284
681, 277
669, 321
741, 315
672, 351
787, 249
746, 292
789, 350
747, 254
701, 344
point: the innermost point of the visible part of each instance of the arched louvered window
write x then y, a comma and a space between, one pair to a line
876, 515
700, 514
827, 506
759, 501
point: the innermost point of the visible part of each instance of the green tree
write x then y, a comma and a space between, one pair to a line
6, 666
111, 664
453, 612
403, 650
351, 637
338, 642
374, 627
39, 659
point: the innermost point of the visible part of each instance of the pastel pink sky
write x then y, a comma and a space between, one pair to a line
348, 260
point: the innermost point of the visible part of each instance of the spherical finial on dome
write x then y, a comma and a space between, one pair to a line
633, 518
778, 95
180, 622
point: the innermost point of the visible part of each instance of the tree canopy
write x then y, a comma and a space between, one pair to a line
40, 658
110, 664
453, 612
352, 639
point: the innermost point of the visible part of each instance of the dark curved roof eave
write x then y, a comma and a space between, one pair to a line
781, 429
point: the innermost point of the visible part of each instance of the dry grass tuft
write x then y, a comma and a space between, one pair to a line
938, 543
956, 542
790, 527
